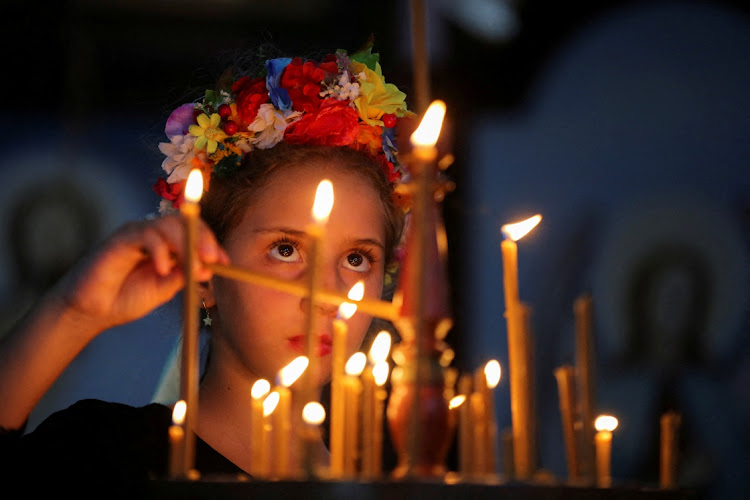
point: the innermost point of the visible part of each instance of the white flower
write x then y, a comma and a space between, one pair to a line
269, 125
180, 152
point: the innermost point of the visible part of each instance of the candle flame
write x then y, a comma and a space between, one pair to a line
178, 413
456, 401
381, 346
605, 423
356, 364
323, 201
260, 388
269, 404
518, 230
313, 413
492, 373
347, 309
428, 131
194, 186
380, 372
291, 372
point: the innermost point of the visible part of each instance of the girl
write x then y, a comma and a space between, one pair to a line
263, 143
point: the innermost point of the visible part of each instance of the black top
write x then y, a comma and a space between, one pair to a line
93, 445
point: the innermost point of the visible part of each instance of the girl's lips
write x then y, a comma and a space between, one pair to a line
324, 347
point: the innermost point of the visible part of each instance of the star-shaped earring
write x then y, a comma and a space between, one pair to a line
207, 319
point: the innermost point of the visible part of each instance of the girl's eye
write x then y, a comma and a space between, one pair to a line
357, 262
285, 252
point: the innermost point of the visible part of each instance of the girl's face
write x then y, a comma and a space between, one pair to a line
257, 330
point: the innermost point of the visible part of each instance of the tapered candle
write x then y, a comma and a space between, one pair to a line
670, 424
604, 425
378, 353
465, 428
352, 398
380, 372
565, 377
492, 373
338, 361
519, 347
321, 210
262, 469
177, 440
585, 377
258, 393
190, 210
282, 421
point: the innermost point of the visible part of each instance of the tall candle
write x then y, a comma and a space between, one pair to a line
585, 377
282, 421
378, 353
565, 377
177, 440
492, 373
321, 209
258, 393
313, 414
506, 444
352, 398
669, 423
338, 361
465, 428
190, 211
519, 350
479, 429
380, 372
604, 425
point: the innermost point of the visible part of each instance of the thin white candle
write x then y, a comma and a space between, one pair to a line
604, 426
177, 440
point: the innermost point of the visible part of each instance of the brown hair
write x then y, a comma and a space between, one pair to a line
229, 196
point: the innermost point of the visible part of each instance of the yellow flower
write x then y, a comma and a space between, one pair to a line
207, 132
377, 98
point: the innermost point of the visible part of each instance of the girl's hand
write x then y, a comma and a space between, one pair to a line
136, 270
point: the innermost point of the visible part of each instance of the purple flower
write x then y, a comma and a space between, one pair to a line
179, 121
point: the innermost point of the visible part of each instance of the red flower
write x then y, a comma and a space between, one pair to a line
250, 94
172, 192
334, 124
303, 82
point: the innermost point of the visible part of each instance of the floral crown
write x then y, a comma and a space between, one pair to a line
342, 100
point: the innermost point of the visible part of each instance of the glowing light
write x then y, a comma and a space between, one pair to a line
381, 346
606, 423
178, 413
291, 372
323, 201
518, 230
269, 404
456, 401
356, 364
428, 131
380, 372
492, 373
260, 388
313, 413
347, 309
194, 186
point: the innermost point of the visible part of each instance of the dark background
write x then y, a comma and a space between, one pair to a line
88, 86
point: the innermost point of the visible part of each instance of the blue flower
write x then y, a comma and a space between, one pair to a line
279, 95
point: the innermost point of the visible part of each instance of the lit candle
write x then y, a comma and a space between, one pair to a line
585, 377
282, 424
338, 361
479, 429
519, 351
352, 397
177, 440
189, 375
381, 345
566, 392
465, 429
313, 414
604, 425
262, 469
258, 393
380, 372
492, 373
320, 211
669, 423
